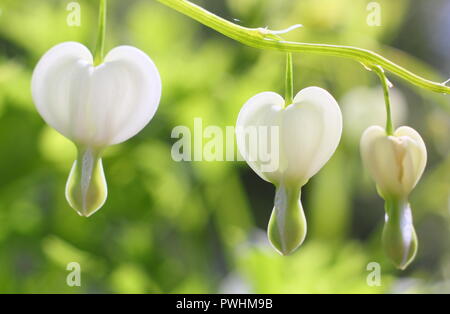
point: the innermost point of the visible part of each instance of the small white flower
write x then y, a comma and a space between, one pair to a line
309, 131
94, 106
395, 162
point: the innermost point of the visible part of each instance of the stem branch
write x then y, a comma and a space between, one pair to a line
261, 38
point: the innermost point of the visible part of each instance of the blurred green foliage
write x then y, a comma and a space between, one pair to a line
199, 227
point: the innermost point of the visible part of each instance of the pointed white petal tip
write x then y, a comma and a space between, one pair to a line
86, 188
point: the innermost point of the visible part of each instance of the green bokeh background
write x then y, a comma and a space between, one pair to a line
199, 227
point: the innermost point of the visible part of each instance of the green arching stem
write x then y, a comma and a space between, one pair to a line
289, 80
261, 38
99, 49
385, 84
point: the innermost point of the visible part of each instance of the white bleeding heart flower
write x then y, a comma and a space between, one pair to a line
95, 107
305, 135
396, 162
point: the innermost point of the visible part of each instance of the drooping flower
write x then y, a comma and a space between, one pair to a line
396, 163
302, 137
95, 107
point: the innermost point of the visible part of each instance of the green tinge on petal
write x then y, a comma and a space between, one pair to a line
399, 237
287, 225
86, 188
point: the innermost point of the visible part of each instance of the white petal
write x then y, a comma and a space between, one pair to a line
386, 154
311, 131
262, 110
60, 82
370, 134
379, 157
138, 91
415, 158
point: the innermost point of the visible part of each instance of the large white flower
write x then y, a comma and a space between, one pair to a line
94, 106
300, 139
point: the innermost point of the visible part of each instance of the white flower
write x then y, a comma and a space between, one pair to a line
308, 132
94, 106
395, 162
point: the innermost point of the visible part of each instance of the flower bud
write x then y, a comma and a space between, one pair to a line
94, 106
308, 132
395, 162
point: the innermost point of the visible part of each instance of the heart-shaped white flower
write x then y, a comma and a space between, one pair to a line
300, 139
100, 105
94, 106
